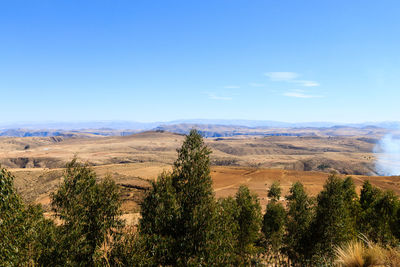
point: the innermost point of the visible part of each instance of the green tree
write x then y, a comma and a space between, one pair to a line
377, 218
191, 178
177, 214
396, 225
369, 194
130, 249
352, 202
90, 214
275, 191
11, 222
333, 223
385, 209
274, 224
158, 226
249, 219
368, 219
26, 237
223, 239
40, 237
299, 217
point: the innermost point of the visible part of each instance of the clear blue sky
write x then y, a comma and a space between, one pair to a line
163, 60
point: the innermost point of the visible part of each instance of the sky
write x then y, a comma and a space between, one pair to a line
293, 61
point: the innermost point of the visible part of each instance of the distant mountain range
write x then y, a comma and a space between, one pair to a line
68, 126
209, 127
132, 125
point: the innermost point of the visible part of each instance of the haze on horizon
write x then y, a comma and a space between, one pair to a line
149, 61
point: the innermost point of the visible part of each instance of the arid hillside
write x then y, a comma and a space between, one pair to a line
132, 161
345, 154
35, 184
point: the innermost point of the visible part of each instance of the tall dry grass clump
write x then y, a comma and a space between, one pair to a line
365, 253
392, 257
351, 255
374, 254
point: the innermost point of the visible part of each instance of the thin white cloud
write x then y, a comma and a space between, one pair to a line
297, 94
256, 84
282, 76
306, 83
290, 77
231, 86
218, 97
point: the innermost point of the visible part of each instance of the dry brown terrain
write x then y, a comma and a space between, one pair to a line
35, 185
134, 160
345, 154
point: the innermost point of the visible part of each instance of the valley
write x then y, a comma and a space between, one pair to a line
133, 161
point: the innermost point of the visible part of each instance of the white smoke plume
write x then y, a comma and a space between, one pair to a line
387, 152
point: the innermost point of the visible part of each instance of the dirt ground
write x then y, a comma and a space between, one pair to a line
35, 185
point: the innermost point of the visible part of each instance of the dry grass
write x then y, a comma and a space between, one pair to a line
392, 257
351, 255
365, 253
374, 255
104, 251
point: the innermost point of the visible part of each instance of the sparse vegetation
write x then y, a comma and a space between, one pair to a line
182, 223
275, 191
323, 166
